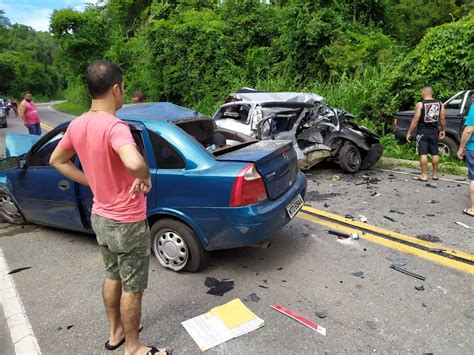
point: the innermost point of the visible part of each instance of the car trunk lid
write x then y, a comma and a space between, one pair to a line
275, 161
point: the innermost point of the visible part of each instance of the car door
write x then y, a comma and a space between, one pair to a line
454, 115
43, 194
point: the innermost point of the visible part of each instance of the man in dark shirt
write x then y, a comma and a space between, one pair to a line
430, 124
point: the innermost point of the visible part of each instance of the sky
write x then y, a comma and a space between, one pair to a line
37, 13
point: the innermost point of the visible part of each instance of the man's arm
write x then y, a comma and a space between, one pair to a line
21, 111
466, 135
61, 161
136, 165
414, 121
442, 122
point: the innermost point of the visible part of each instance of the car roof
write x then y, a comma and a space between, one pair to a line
291, 97
157, 111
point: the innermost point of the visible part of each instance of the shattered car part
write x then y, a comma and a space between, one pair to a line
318, 132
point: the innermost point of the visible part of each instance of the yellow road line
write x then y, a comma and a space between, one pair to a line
393, 245
357, 224
46, 127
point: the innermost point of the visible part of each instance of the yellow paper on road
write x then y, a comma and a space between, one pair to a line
233, 314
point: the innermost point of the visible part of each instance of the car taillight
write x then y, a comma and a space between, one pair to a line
248, 187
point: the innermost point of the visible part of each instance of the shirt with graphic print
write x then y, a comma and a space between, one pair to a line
430, 112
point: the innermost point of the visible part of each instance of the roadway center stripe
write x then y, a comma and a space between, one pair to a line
46, 127
392, 234
392, 244
22, 335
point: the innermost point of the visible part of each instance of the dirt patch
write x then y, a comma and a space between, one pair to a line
10, 230
428, 238
316, 196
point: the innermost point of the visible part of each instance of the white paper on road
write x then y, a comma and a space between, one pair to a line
221, 324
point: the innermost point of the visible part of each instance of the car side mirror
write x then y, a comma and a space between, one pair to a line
10, 163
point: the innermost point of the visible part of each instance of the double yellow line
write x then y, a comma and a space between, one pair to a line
46, 127
455, 259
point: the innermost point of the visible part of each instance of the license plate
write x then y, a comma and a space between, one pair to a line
294, 206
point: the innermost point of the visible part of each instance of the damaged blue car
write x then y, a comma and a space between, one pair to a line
213, 188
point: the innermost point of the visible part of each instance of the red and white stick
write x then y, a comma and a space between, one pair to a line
299, 318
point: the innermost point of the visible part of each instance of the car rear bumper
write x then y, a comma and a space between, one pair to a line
236, 227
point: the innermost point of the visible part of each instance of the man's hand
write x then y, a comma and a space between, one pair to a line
140, 186
442, 134
461, 153
408, 137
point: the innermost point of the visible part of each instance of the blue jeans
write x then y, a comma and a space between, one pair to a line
34, 129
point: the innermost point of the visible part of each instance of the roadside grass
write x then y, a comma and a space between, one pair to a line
71, 108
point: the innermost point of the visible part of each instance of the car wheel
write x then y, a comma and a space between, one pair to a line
177, 247
448, 147
349, 158
9, 211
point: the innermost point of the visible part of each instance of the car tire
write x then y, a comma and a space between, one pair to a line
349, 158
9, 211
448, 146
177, 247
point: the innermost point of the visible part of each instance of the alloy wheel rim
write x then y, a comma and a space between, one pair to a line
171, 250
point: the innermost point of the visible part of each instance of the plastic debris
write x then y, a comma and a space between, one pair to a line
252, 298
335, 178
218, 288
463, 225
406, 272
431, 185
69, 327
375, 194
321, 314
339, 234
358, 274
363, 218
433, 201
19, 269
389, 218
299, 319
349, 216
355, 236
420, 288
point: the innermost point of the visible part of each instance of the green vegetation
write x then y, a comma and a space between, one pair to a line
26, 62
368, 57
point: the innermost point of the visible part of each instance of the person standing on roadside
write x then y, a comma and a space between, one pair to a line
430, 124
29, 114
466, 148
15, 106
138, 97
119, 179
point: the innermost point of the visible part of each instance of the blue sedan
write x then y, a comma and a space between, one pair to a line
205, 196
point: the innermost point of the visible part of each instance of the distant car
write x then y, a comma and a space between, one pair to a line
318, 132
456, 113
3, 117
202, 199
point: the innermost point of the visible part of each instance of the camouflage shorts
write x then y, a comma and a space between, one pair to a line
125, 249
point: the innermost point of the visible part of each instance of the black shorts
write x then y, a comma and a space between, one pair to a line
427, 144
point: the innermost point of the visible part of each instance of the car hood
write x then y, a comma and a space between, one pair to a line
19, 143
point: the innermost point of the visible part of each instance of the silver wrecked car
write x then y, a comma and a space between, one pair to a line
317, 130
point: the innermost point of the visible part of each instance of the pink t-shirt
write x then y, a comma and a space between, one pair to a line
96, 138
31, 113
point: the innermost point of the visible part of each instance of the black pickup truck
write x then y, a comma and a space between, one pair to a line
455, 115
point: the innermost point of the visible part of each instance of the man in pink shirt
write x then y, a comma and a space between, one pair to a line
29, 114
119, 179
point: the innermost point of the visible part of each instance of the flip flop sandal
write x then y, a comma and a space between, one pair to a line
120, 343
466, 211
417, 178
154, 350
435, 178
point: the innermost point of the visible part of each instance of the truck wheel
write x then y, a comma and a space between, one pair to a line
9, 211
349, 158
448, 146
177, 247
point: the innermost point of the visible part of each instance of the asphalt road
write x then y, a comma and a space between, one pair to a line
368, 306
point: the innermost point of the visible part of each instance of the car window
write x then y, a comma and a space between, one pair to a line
41, 156
165, 154
455, 102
